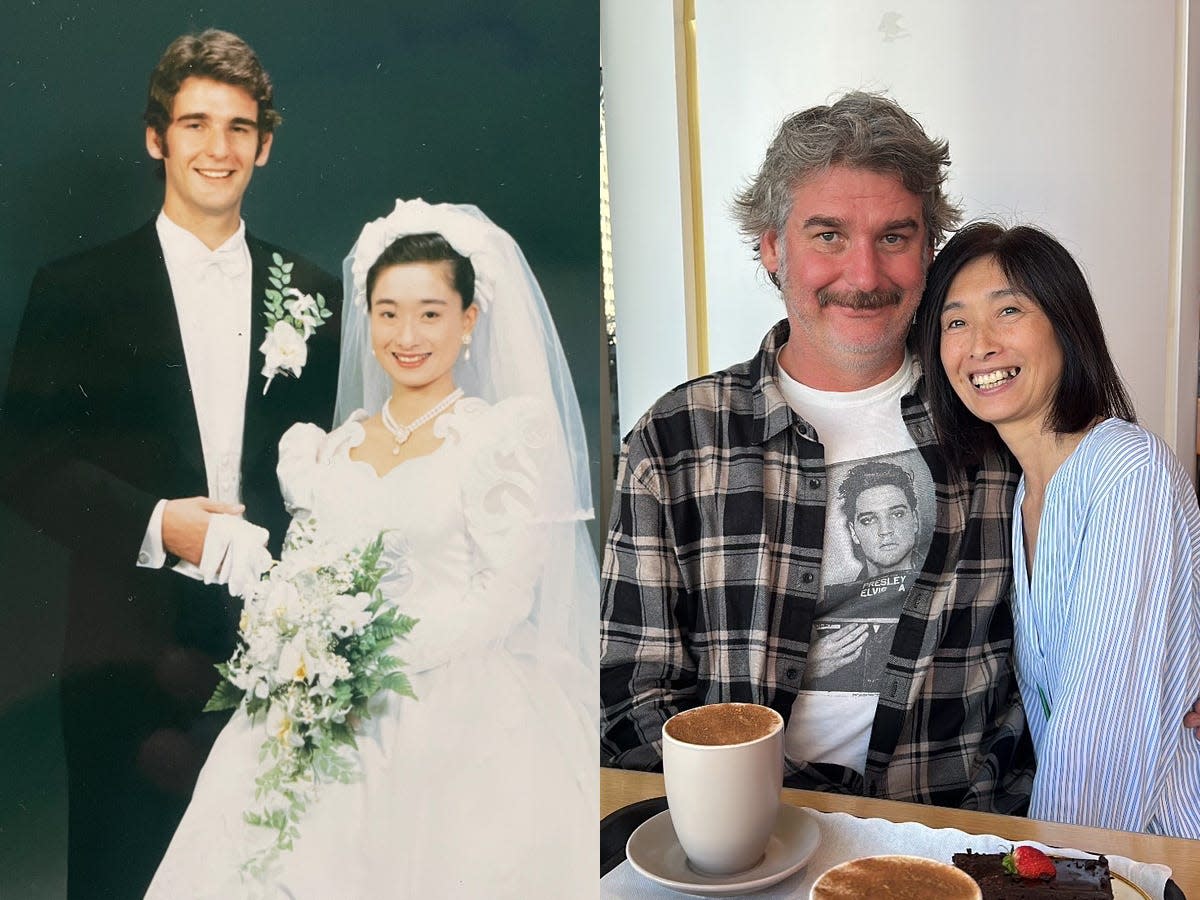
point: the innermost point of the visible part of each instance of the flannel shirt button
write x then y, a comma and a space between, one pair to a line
792, 674
814, 483
807, 577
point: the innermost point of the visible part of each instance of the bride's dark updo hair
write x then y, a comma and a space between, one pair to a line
428, 247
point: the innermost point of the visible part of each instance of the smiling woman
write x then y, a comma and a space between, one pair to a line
420, 320
478, 505
1105, 532
1000, 351
420, 296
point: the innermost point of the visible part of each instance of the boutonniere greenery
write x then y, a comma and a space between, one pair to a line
292, 317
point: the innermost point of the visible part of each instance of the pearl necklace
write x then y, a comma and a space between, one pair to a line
402, 433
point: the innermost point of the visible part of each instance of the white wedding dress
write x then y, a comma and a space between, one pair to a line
484, 786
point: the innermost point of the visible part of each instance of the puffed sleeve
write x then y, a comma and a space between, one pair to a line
303, 449
501, 494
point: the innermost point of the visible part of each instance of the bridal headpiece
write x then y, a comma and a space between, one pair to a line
475, 238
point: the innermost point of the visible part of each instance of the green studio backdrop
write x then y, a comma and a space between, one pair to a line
478, 101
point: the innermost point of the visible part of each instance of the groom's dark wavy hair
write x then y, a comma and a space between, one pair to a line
427, 247
219, 55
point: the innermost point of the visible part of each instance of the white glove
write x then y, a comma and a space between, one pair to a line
235, 553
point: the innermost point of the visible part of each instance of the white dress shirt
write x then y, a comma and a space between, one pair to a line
213, 305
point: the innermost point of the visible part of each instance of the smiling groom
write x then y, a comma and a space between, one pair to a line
151, 381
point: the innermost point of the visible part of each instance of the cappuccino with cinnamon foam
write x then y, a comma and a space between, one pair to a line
895, 877
723, 723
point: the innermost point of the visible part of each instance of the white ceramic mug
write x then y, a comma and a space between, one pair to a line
724, 798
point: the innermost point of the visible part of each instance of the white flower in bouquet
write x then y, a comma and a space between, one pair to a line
327, 671
350, 613
280, 727
293, 662
315, 637
281, 600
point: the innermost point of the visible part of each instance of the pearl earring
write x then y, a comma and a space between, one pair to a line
466, 339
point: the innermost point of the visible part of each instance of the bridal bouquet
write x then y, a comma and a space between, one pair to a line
313, 650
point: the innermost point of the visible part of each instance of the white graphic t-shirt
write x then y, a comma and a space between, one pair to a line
878, 524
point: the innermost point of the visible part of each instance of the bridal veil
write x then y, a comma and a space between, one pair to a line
515, 352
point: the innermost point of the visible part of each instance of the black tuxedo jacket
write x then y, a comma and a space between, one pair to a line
98, 424
98, 420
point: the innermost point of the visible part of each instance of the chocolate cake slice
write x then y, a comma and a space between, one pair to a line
1075, 879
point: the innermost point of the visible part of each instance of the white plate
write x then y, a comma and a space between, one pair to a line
1124, 889
654, 851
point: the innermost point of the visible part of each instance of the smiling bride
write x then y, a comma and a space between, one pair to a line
462, 445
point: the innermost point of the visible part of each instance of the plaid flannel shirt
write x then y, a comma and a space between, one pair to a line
711, 574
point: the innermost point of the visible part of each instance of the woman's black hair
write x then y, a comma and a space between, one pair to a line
1041, 268
423, 248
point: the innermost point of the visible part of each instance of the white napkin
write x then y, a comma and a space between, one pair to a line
846, 837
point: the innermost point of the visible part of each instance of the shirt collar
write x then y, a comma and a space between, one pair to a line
184, 249
771, 410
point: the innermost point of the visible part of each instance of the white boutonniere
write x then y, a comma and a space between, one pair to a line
292, 317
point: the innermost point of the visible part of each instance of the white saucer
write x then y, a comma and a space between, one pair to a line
654, 851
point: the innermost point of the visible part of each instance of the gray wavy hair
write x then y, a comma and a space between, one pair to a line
861, 131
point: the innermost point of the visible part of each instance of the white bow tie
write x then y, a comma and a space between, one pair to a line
229, 261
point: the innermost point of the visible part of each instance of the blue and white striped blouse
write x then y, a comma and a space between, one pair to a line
1108, 637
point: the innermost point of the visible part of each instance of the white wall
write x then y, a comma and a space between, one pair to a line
1059, 113
641, 130
1186, 349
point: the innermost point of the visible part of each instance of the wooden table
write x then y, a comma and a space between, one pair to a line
619, 788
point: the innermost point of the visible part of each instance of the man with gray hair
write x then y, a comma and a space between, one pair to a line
724, 540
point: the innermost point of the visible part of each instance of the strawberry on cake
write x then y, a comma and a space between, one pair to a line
1028, 872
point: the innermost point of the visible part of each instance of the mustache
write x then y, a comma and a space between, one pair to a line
859, 299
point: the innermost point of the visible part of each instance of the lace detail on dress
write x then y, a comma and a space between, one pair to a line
498, 446
458, 523
501, 482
